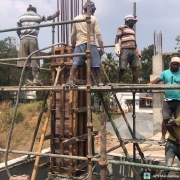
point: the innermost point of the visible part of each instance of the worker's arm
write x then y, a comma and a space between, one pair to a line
19, 25
169, 127
117, 45
99, 37
73, 36
18, 33
139, 53
53, 16
155, 81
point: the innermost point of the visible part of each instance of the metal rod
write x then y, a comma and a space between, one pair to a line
117, 134
134, 127
141, 165
95, 160
83, 87
45, 154
88, 93
125, 119
58, 21
43, 57
43, 25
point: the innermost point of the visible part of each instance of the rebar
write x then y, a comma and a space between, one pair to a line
43, 57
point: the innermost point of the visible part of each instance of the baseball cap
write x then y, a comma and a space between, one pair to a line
175, 59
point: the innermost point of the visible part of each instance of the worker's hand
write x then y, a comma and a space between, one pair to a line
178, 141
73, 45
117, 49
140, 56
57, 13
149, 83
101, 51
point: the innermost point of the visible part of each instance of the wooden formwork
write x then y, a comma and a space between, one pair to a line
68, 119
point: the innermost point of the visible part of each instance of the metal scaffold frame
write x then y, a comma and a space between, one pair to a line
88, 88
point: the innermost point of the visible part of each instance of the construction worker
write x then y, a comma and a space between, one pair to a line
79, 43
171, 103
172, 147
29, 43
127, 51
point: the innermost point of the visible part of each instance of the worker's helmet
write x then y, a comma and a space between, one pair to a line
130, 17
32, 7
92, 6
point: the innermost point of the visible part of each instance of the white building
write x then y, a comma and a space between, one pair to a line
143, 102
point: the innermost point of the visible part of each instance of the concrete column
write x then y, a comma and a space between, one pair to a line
157, 68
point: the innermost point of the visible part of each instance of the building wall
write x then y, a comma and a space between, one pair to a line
122, 97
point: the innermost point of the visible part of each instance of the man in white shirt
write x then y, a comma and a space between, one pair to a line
79, 43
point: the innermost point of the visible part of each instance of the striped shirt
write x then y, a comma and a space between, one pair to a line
79, 31
127, 36
30, 18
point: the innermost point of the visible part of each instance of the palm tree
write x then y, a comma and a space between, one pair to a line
110, 66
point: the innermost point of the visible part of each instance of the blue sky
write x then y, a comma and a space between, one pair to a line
159, 15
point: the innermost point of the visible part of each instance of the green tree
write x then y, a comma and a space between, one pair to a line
111, 68
9, 74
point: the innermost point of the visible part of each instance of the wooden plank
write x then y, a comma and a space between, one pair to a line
78, 138
78, 167
78, 110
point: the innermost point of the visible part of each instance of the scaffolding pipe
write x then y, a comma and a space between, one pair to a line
14, 65
44, 154
43, 25
125, 119
118, 135
134, 126
176, 169
43, 57
88, 94
79, 87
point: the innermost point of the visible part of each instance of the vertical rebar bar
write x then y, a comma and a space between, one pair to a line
58, 21
82, 5
134, 14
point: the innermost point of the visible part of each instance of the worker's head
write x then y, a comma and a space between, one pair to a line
92, 7
174, 64
32, 7
130, 20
